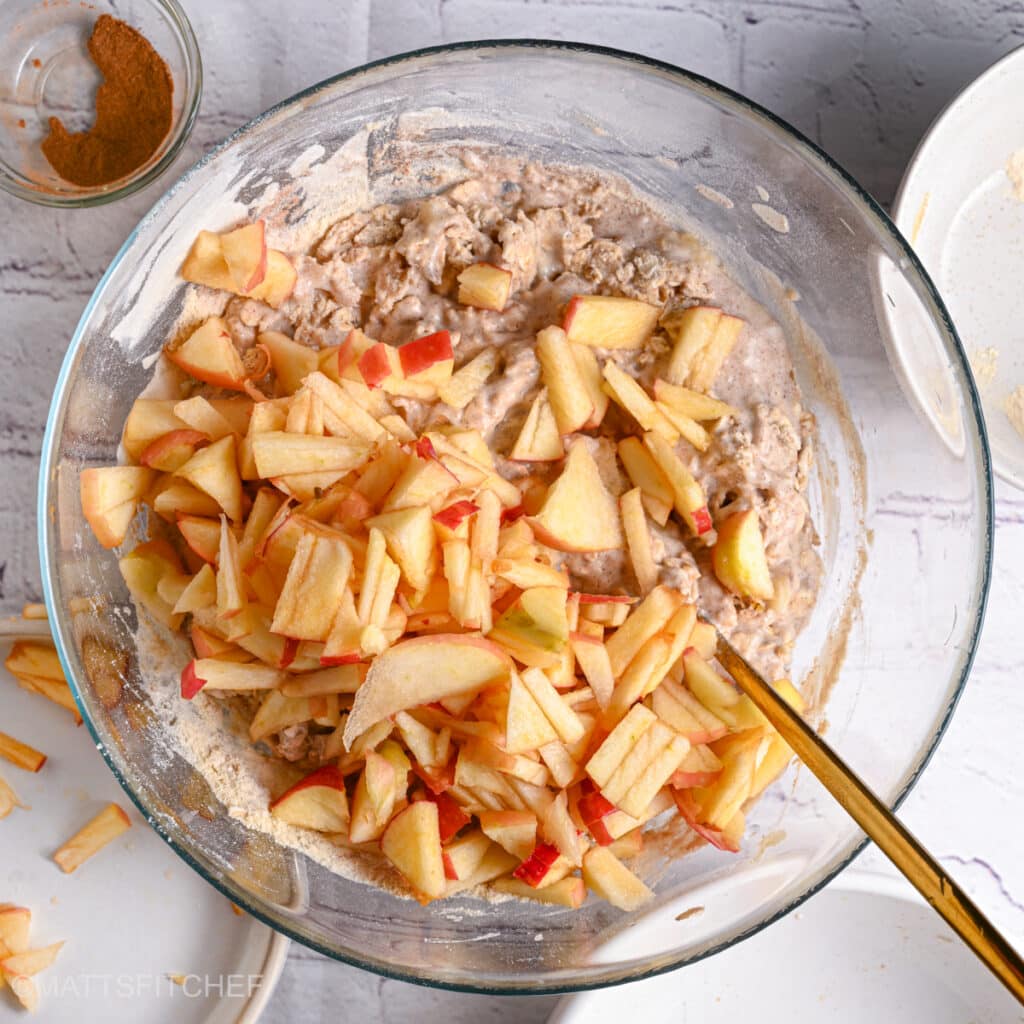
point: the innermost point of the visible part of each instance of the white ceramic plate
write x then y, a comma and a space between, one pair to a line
133, 915
956, 207
865, 949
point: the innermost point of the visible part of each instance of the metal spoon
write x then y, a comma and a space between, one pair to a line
909, 856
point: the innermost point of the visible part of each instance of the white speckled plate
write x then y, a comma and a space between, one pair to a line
146, 939
956, 207
866, 949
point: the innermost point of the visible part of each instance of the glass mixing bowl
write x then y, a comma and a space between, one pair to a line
902, 492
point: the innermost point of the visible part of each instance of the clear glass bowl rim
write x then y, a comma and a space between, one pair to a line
746, 108
82, 200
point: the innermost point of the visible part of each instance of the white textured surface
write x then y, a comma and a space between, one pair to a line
864, 78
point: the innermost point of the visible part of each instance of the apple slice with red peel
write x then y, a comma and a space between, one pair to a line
452, 516
278, 282
202, 535
610, 879
209, 355
316, 802
567, 391
539, 438
214, 471
485, 286
579, 514
378, 363
172, 450
227, 675
205, 263
451, 818
687, 494
292, 361
566, 892
700, 767
593, 809
245, 253
543, 867
110, 497
423, 670
412, 843
738, 557
428, 358
690, 812
609, 321
462, 856
515, 831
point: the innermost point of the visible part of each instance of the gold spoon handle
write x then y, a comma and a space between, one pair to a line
916, 864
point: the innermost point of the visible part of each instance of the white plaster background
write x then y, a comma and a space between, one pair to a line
863, 78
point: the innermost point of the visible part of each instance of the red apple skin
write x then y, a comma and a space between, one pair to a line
341, 659
374, 365
346, 353
510, 515
184, 521
425, 449
702, 520
191, 684
449, 868
260, 271
453, 515
437, 780
605, 599
689, 780
451, 817
328, 776
172, 450
536, 866
288, 652
593, 807
688, 811
419, 355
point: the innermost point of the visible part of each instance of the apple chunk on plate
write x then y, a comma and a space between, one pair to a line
421, 671
318, 802
579, 514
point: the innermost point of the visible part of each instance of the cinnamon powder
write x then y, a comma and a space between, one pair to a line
133, 110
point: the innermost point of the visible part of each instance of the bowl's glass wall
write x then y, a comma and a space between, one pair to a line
905, 531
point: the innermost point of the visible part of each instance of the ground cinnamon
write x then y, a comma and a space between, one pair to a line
133, 110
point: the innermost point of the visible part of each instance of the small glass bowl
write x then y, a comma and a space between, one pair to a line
46, 71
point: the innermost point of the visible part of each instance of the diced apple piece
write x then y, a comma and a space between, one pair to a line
279, 454
214, 471
681, 710
700, 767
172, 450
378, 363
691, 331
30, 961
629, 395
567, 391
538, 617
245, 253
205, 263
644, 673
526, 725
643, 471
277, 712
21, 754
638, 539
15, 924
343, 415
451, 818
104, 828
687, 493
412, 843
724, 798
313, 589
464, 385
452, 516
429, 358
607, 876
708, 361
422, 482
645, 621
619, 742
593, 808
423, 670
227, 675
738, 557
689, 429
8, 799
409, 535
485, 286
590, 373
201, 592
592, 657
316, 802
712, 690
609, 321
544, 866
562, 717
566, 892
209, 355
578, 513
110, 497
463, 856
292, 361
278, 282
142, 570
539, 439
691, 403
643, 788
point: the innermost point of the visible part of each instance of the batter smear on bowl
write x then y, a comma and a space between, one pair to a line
438, 504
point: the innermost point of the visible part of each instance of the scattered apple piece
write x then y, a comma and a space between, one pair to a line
104, 828
21, 754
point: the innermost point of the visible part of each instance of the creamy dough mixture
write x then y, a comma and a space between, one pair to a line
562, 231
